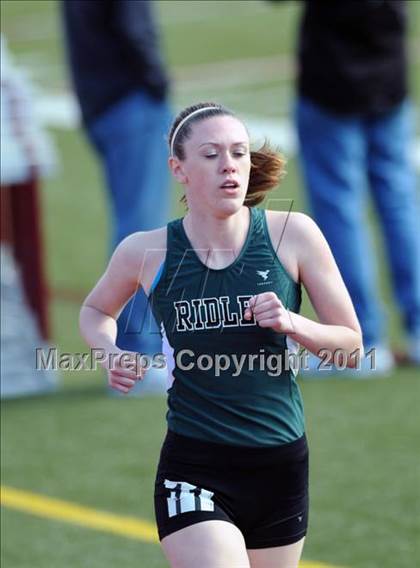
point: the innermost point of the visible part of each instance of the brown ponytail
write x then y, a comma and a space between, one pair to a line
267, 170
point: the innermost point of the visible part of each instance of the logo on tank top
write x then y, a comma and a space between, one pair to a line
212, 313
264, 275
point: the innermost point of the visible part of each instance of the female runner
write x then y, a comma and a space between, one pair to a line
224, 284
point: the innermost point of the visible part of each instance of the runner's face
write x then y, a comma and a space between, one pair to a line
217, 164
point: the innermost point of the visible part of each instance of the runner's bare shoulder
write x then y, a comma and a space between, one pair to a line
141, 254
289, 232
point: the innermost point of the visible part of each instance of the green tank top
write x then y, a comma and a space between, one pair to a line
200, 313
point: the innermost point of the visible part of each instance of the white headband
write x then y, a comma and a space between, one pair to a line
184, 120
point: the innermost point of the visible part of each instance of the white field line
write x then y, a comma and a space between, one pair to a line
61, 111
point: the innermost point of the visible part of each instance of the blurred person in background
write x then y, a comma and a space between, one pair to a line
122, 87
355, 127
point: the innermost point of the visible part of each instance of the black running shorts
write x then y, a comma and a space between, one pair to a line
261, 490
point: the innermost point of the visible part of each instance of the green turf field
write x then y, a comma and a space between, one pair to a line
83, 447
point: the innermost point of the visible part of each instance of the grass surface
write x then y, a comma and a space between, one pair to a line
82, 446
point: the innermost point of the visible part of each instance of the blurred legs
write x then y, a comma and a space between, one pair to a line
130, 138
